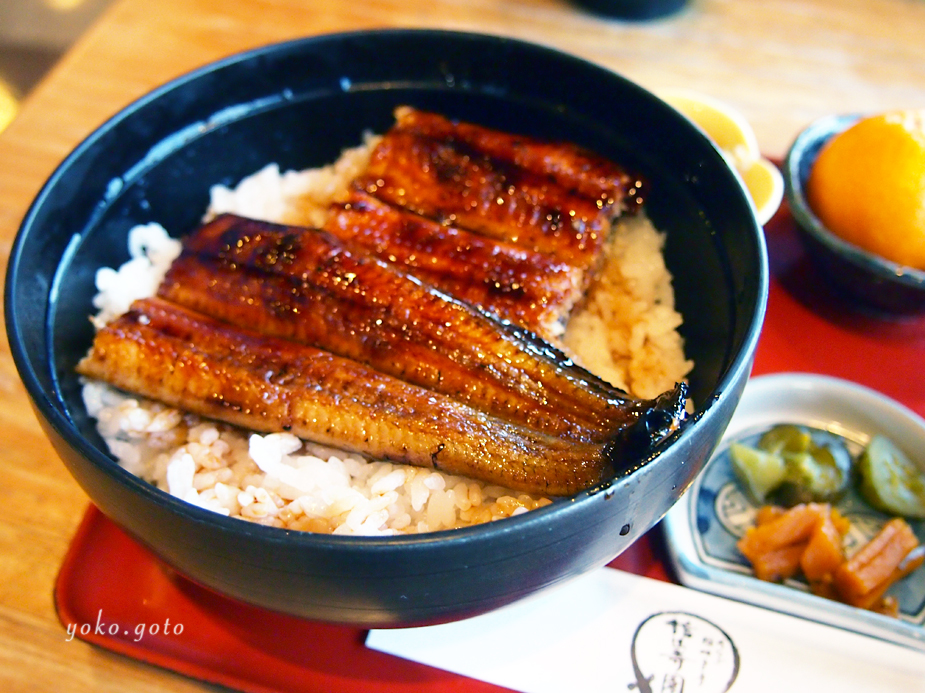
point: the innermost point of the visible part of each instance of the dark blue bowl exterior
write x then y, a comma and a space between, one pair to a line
299, 104
874, 283
632, 10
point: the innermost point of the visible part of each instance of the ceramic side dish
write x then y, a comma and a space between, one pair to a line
703, 527
864, 278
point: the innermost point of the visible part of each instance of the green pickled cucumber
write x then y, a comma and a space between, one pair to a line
820, 474
758, 472
890, 481
785, 438
788, 466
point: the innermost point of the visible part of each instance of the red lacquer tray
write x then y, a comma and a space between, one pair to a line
114, 593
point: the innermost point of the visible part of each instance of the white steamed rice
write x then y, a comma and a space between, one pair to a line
626, 332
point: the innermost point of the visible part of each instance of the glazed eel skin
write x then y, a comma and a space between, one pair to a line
206, 366
305, 285
508, 222
553, 198
567, 164
530, 289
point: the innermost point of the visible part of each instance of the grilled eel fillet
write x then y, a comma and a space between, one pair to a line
305, 285
553, 198
528, 288
567, 164
199, 364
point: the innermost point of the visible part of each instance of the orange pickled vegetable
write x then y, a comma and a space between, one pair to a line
888, 606
824, 552
778, 564
842, 523
862, 580
808, 538
787, 529
767, 513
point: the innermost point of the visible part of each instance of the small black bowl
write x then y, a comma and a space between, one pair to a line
299, 104
874, 283
632, 10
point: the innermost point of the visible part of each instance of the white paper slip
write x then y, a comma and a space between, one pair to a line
614, 631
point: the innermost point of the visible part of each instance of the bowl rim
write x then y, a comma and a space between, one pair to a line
806, 145
811, 392
64, 427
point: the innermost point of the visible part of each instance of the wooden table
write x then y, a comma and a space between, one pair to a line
781, 62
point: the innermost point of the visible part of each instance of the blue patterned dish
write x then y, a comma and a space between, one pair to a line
703, 527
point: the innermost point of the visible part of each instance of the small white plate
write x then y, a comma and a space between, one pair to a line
703, 527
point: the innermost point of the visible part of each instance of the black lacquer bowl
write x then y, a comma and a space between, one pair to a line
299, 104
867, 280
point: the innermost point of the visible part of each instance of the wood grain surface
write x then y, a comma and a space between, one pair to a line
782, 63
